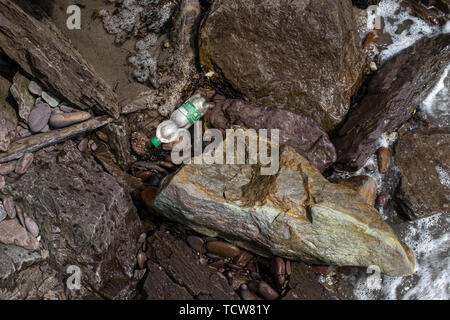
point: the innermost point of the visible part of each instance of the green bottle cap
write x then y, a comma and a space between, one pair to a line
155, 142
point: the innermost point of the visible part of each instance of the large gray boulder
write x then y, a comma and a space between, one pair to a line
85, 217
302, 55
296, 214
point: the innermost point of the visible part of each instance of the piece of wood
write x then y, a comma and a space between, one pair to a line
38, 141
43, 51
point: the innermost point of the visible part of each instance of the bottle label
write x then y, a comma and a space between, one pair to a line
191, 112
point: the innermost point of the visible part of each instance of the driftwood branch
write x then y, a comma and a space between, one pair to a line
38, 141
44, 52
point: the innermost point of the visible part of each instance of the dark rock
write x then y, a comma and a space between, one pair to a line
425, 184
305, 286
39, 117
8, 119
298, 131
364, 4
384, 159
119, 140
278, 269
223, 249
248, 295
392, 95
174, 273
196, 243
267, 291
85, 218
314, 74
139, 143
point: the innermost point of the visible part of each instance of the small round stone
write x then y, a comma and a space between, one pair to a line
39, 116
8, 204
195, 243
35, 88
32, 227
2, 181
24, 163
223, 249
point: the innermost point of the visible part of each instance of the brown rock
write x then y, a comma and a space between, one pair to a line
384, 159
365, 186
148, 195
61, 120
24, 163
315, 74
11, 232
267, 291
278, 269
196, 243
396, 89
223, 249
423, 158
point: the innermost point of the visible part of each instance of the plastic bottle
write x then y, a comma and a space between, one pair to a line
181, 119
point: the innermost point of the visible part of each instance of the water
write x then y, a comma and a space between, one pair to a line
429, 238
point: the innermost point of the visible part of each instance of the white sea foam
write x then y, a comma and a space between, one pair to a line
429, 239
395, 20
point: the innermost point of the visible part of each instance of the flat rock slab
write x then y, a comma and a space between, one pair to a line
296, 130
175, 273
422, 155
64, 70
296, 214
303, 55
85, 218
393, 94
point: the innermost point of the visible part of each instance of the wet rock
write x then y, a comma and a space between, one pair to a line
119, 140
175, 273
365, 186
271, 215
8, 119
85, 218
384, 159
278, 269
305, 286
267, 291
35, 88
397, 88
50, 99
24, 163
11, 232
19, 91
425, 184
315, 74
139, 143
298, 131
195, 243
39, 117
223, 249
9, 206
61, 120
7, 168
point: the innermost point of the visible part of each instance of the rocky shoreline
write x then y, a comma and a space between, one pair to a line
364, 167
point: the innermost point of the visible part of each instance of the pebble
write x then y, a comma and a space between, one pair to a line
24, 163
20, 215
2, 182
102, 136
31, 226
141, 258
139, 143
62, 120
196, 243
8, 205
384, 159
223, 249
288, 267
278, 269
35, 88
373, 66
243, 259
66, 109
3, 213
93, 145
83, 145
51, 100
39, 117
267, 291
7, 168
